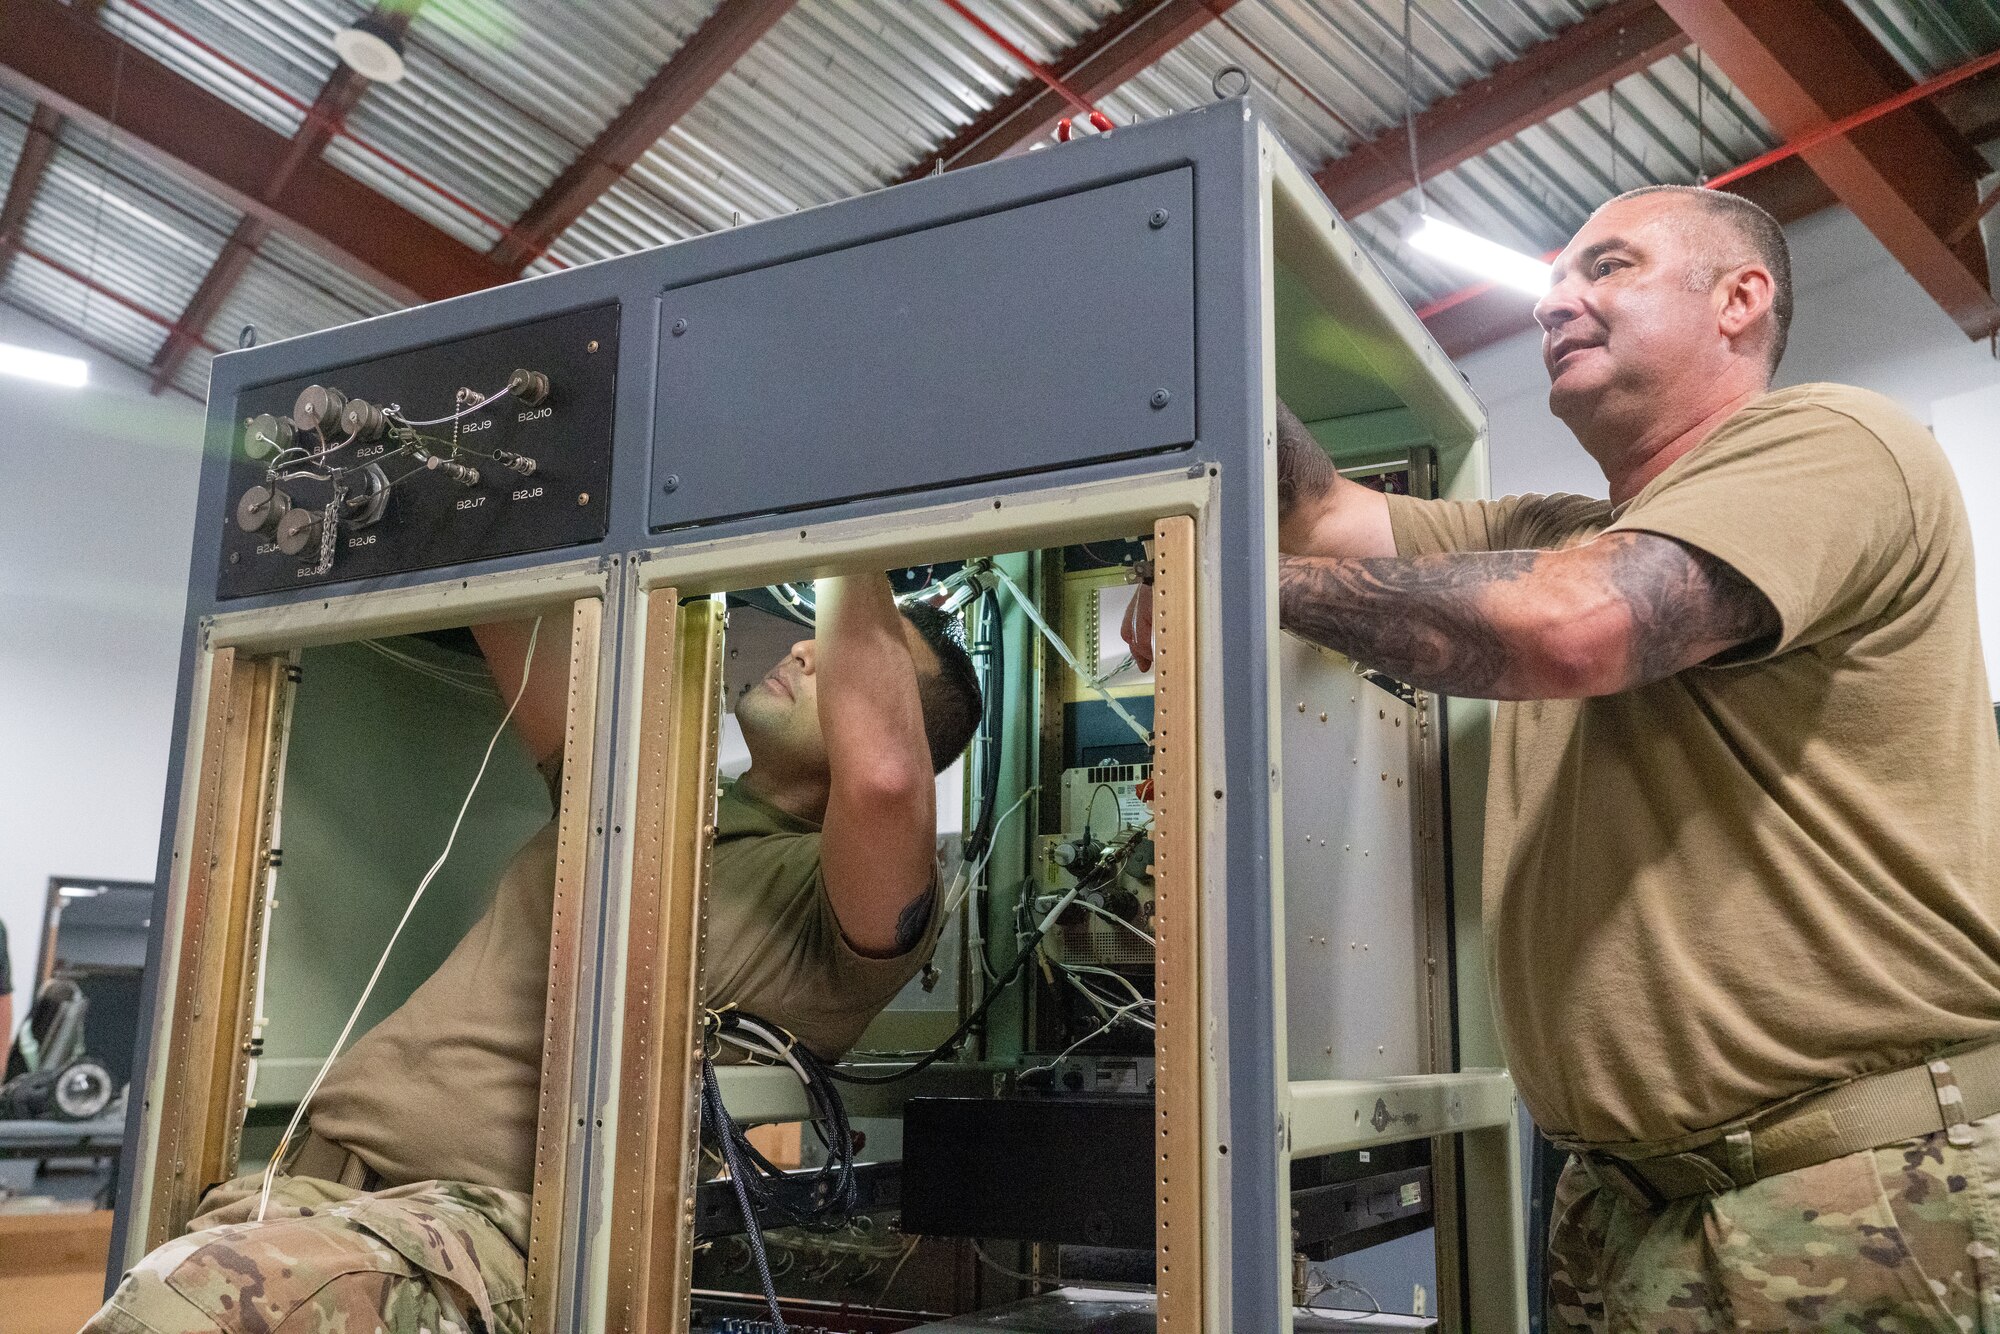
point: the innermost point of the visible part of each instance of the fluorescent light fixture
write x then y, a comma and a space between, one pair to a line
1475, 254
81, 891
32, 365
373, 49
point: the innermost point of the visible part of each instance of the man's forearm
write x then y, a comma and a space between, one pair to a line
869, 704
1430, 621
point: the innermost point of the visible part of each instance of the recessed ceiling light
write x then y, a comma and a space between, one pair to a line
26, 362
372, 49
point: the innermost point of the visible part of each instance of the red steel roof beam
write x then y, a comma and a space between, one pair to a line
324, 118
713, 50
1094, 67
29, 168
1582, 60
1908, 176
51, 54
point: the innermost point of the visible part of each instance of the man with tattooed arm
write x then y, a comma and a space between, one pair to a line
1742, 866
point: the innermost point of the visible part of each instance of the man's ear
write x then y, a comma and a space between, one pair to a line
1746, 299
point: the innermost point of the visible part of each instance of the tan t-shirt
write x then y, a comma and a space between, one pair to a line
446, 1087
1745, 880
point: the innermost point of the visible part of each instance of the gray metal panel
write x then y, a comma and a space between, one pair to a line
1056, 333
1356, 993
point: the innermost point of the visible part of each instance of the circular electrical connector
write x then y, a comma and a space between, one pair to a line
266, 434
531, 387
261, 508
297, 530
83, 1090
362, 420
318, 408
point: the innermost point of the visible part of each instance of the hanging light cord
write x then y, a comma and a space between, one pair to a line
1410, 105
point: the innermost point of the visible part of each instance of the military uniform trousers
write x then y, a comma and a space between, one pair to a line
434, 1257
1900, 1239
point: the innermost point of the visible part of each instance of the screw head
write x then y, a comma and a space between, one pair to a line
1157, 219
672, 484
1161, 398
680, 327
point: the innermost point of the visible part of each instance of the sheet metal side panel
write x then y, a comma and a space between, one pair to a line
1355, 911
141, 1129
1035, 337
1238, 807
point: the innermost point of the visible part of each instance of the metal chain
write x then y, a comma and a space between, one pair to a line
328, 528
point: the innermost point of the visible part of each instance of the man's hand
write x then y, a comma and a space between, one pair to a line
1137, 627
878, 845
1320, 513
1611, 614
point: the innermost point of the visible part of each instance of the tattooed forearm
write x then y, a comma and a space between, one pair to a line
1611, 614
1420, 619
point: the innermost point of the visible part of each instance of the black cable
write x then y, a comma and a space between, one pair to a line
714, 1112
831, 1190
945, 1048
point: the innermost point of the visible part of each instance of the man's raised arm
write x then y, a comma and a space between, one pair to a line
878, 847
1320, 513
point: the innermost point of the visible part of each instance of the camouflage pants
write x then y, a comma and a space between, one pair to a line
1901, 1238
435, 1257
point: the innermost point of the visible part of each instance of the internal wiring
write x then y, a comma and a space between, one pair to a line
969, 872
1029, 950
1062, 648
298, 1115
1112, 1022
999, 1268
1116, 920
395, 411
470, 683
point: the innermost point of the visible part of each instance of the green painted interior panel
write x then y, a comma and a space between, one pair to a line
1329, 375
380, 756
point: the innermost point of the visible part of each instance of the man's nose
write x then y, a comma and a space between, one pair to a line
1557, 307
803, 650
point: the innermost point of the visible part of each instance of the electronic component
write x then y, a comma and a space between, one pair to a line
364, 470
1075, 1170
1103, 850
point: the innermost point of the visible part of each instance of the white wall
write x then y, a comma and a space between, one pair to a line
1859, 319
97, 491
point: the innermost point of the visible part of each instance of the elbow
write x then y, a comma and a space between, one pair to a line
889, 782
1572, 653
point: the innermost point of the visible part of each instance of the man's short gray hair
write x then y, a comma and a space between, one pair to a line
1738, 231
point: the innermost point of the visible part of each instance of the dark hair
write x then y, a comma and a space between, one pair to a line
1757, 231
951, 699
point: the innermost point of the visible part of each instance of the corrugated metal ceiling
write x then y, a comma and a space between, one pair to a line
840, 97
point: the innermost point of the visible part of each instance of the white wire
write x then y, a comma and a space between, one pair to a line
488, 401
1113, 917
996, 1266
432, 671
962, 884
1119, 978
770, 1053
1062, 647
1105, 1027
284, 1142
